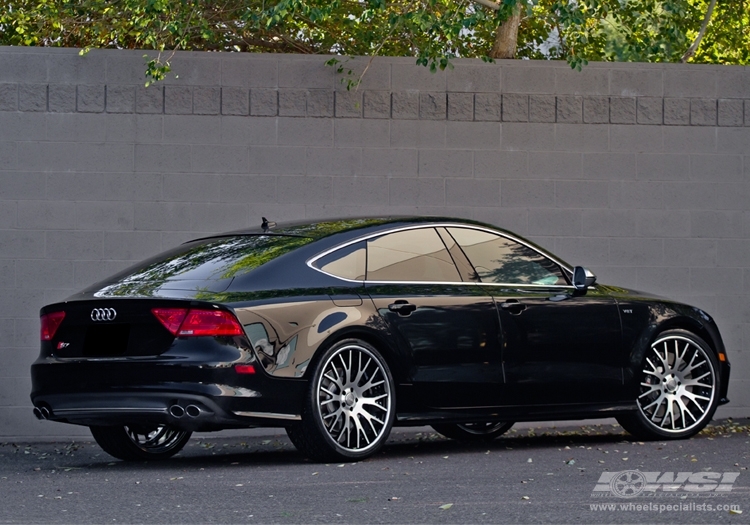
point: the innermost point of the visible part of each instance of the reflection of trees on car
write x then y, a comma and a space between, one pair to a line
518, 264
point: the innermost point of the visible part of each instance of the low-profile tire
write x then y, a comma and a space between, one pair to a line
485, 431
350, 404
678, 388
140, 442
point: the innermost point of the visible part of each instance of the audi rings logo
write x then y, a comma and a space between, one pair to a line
103, 314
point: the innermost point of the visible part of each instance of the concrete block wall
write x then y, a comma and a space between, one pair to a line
639, 171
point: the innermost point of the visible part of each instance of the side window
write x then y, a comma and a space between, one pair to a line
500, 260
347, 263
410, 255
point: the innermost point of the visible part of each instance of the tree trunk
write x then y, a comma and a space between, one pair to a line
506, 39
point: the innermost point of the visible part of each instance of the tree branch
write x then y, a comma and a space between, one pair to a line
694, 47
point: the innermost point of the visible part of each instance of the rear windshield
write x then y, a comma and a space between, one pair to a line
207, 260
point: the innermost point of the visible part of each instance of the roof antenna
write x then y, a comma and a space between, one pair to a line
266, 225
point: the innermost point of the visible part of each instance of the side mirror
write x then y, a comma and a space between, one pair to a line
582, 278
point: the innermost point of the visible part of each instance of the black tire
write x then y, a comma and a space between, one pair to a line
140, 442
679, 388
346, 417
486, 431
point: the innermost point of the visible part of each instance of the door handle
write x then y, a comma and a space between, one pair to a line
513, 306
402, 307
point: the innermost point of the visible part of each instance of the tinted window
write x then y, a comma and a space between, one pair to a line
348, 262
500, 260
411, 255
205, 260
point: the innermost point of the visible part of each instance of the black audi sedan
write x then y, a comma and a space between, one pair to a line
339, 330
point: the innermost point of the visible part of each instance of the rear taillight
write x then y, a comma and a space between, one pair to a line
192, 322
50, 324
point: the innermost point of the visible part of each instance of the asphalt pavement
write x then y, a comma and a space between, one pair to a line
590, 474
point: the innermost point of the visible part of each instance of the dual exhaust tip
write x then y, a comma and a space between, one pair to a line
177, 411
42, 413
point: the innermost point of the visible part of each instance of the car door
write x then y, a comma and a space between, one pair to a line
447, 324
559, 346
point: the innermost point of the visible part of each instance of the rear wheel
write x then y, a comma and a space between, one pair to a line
486, 431
678, 391
350, 406
140, 442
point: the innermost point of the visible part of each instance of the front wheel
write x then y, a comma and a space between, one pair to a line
350, 406
678, 392
486, 431
140, 442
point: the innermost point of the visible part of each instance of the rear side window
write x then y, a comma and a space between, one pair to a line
497, 259
347, 263
410, 255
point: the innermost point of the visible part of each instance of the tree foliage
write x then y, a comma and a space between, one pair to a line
433, 31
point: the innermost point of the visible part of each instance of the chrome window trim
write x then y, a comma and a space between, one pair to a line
314, 258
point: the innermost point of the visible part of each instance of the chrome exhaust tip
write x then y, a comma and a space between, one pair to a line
193, 411
38, 413
176, 411
45, 412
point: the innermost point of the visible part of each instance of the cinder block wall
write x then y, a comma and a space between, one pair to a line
639, 171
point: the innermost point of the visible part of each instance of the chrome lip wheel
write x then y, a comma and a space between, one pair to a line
354, 399
679, 383
154, 439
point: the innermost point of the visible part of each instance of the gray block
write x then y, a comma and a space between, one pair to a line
660, 166
473, 135
32, 97
14, 187
542, 108
595, 110
162, 216
304, 190
460, 106
206, 100
335, 161
747, 112
90, 99
319, 103
263, 102
527, 194
636, 252
130, 245
581, 137
360, 190
515, 108
308, 71
528, 79
677, 111
635, 139
555, 165
292, 102
501, 164
271, 160
178, 100
552, 221
690, 82
236, 101
636, 82
588, 81
149, 99
247, 188
650, 110
433, 106
377, 104
407, 76
192, 129
417, 133
472, 192
405, 105
663, 223
416, 192
488, 107
120, 99
607, 223
703, 112
472, 79
348, 104
689, 139
76, 127
732, 140
8, 97
445, 163
683, 195
106, 216
22, 244
581, 194
569, 109
390, 162
239, 69
8, 157
712, 224
357, 132
219, 159
528, 136
622, 110
162, 158
730, 112
74, 245
716, 168
305, 132
183, 187
248, 130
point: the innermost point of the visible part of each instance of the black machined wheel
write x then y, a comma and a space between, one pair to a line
678, 388
350, 407
484, 431
140, 442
